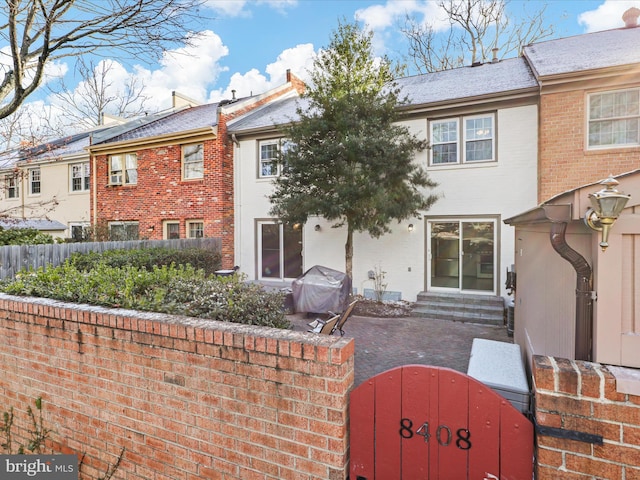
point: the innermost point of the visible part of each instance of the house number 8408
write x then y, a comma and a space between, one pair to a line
443, 434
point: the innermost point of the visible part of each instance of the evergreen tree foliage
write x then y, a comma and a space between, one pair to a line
346, 158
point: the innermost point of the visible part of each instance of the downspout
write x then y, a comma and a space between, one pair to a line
584, 298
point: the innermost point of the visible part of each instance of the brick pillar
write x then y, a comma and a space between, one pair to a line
575, 396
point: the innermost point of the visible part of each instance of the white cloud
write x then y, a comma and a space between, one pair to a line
381, 17
52, 69
606, 16
236, 8
298, 59
190, 70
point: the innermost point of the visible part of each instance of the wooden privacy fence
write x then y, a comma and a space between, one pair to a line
14, 258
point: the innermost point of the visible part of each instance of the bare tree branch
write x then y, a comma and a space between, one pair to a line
97, 94
40, 31
478, 29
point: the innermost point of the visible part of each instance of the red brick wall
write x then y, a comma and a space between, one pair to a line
160, 193
582, 396
187, 398
564, 161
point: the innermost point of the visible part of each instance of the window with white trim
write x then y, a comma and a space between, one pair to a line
123, 169
195, 229
35, 185
11, 186
171, 229
121, 231
80, 232
468, 139
268, 161
79, 176
614, 119
192, 161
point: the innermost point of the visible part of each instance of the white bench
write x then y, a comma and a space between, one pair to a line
499, 366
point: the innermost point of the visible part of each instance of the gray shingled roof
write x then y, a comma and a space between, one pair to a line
586, 52
467, 82
190, 118
279, 112
39, 224
450, 85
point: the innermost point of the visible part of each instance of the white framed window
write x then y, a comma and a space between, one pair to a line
467, 139
195, 229
79, 177
193, 161
80, 232
11, 186
171, 229
444, 141
123, 169
268, 155
122, 231
35, 186
614, 119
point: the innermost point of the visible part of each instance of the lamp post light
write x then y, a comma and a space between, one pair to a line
606, 206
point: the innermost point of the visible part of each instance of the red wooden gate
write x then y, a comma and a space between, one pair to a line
418, 422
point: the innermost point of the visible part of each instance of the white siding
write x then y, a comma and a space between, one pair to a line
503, 188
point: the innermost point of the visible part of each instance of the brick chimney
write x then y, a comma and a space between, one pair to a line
630, 17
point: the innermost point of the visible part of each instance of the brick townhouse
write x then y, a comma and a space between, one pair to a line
589, 90
173, 177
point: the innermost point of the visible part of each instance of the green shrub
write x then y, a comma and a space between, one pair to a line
175, 289
23, 236
147, 258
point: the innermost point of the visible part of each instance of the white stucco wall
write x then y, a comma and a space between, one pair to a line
55, 201
498, 189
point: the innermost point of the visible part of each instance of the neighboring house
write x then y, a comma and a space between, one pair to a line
172, 177
589, 116
572, 299
482, 126
48, 186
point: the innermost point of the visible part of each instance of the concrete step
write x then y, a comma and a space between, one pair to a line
457, 307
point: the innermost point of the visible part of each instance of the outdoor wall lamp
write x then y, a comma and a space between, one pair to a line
606, 206
410, 227
317, 228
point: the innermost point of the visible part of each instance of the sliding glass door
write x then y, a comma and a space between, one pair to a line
279, 251
462, 255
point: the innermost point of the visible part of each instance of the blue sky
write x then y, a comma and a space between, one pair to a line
247, 45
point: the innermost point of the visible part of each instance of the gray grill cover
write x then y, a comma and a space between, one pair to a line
321, 289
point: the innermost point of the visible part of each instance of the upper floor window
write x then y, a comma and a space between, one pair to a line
123, 169
466, 139
614, 118
34, 181
268, 165
79, 173
192, 161
11, 186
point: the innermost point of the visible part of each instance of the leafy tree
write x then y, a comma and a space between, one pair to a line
478, 30
346, 158
37, 32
